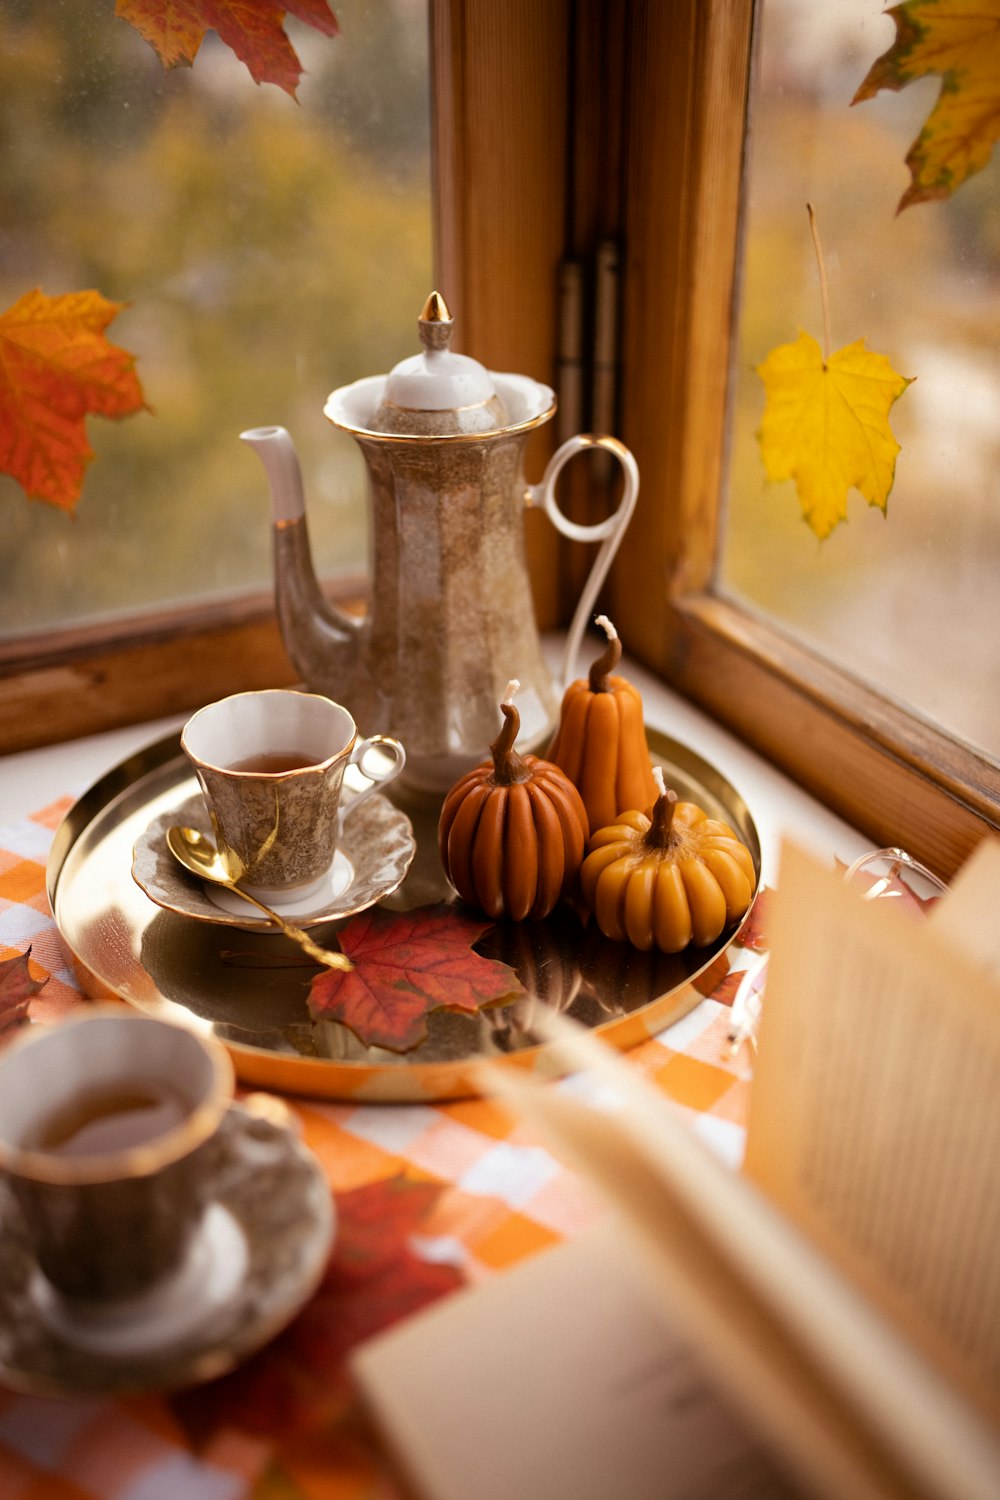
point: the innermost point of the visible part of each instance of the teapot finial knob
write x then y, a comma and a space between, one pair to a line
435, 323
437, 393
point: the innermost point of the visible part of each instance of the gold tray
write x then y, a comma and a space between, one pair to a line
245, 988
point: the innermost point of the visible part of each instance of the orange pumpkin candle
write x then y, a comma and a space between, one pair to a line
667, 878
601, 739
512, 830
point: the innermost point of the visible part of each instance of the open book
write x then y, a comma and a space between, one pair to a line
826, 1323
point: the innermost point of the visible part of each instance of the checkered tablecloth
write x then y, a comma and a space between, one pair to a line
428, 1198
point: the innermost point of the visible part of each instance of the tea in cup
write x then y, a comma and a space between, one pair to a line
271, 765
101, 1123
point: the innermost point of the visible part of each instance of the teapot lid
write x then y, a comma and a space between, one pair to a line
439, 381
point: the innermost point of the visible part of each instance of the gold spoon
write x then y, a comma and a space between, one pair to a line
200, 856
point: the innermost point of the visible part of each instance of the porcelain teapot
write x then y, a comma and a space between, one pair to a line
450, 618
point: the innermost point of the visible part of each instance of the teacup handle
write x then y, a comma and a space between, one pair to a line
609, 531
391, 747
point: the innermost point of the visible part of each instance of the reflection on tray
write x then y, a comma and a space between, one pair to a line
573, 968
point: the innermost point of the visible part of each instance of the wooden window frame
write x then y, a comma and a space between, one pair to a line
895, 776
558, 126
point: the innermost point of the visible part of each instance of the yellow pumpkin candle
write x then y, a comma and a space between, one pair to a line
668, 878
513, 830
601, 739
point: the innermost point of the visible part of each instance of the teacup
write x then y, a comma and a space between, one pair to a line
101, 1123
271, 765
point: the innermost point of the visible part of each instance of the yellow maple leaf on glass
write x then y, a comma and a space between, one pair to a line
826, 426
959, 40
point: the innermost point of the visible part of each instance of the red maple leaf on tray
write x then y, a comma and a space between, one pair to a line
407, 964
253, 29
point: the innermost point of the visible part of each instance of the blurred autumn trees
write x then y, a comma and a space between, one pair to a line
268, 250
271, 251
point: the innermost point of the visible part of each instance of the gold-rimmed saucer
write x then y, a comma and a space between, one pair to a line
260, 1253
376, 850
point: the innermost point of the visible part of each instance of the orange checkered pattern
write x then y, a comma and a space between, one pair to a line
282, 1429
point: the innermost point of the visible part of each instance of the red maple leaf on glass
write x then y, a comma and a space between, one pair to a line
56, 368
253, 29
407, 964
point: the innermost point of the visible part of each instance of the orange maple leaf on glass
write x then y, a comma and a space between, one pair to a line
253, 29
56, 368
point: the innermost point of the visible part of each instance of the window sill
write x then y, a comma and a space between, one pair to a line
33, 779
86, 680
900, 779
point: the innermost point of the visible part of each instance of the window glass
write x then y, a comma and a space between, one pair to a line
268, 249
908, 602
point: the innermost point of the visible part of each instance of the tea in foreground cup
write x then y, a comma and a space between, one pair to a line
271, 765
101, 1121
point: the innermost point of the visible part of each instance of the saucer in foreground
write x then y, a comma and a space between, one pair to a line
260, 1254
376, 850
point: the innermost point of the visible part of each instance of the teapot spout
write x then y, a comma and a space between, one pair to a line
276, 451
322, 641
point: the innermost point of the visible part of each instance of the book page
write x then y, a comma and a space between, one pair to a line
558, 1378
967, 916
875, 1108
849, 1403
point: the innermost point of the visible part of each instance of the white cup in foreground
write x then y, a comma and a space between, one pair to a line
271, 765
101, 1121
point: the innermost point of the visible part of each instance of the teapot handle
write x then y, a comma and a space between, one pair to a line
609, 531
